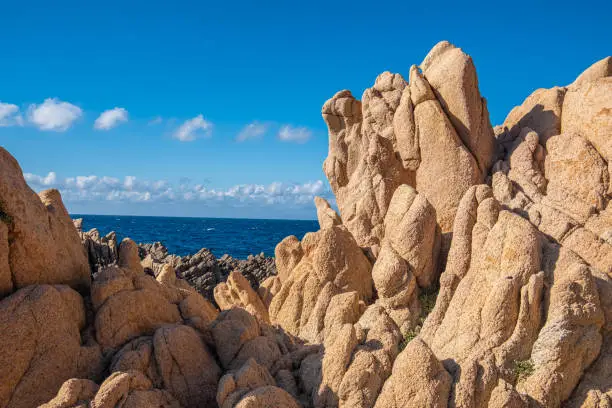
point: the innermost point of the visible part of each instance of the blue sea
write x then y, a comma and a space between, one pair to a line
182, 236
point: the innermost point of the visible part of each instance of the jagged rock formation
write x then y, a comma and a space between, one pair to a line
407, 259
523, 316
237, 292
41, 334
101, 250
434, 128
202, 270
332, 263
252, 386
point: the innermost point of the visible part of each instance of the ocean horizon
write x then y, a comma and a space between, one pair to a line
238, 237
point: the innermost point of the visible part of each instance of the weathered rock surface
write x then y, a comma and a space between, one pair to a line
38, 241
325, 214
237, 292
268, 289
571, 161
74, 393
288, 254
434, 128
407, 258
41, 344
418, 380
131, 389
452, 76
176, 360
332, 264
252, 386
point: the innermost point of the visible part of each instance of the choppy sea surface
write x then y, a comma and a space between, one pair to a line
236, 237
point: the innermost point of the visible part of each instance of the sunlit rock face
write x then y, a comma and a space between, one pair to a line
432, 133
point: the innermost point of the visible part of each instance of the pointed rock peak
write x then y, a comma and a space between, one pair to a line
325, 213
420, 91
389, 82
50, 197
452, 75
600, 69
343, 103
439, 49
413, 73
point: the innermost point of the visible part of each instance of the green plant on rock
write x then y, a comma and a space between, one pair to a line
410, 335
427, 298
523, 369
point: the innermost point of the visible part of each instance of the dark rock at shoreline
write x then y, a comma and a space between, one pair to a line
101, 250
201, 270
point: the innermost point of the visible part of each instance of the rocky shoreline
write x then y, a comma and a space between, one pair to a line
201, 270
469, 266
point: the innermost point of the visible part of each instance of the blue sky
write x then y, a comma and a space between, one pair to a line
181, 81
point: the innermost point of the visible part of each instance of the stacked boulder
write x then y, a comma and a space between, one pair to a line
126, 338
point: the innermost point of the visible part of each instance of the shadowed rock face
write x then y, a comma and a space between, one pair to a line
523, 312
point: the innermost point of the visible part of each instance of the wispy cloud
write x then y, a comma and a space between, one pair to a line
111, 118
251, 131
132, 189
9, 115
193, 128
289, 133
155, 121
54, 115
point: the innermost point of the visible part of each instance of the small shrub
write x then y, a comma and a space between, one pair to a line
408, 338
427, 298
523, 369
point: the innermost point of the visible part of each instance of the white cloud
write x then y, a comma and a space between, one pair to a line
40, 181
131, 189
111, 118
54, 115
289, 133
9, 115
192, 129
251, 131
129, 183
